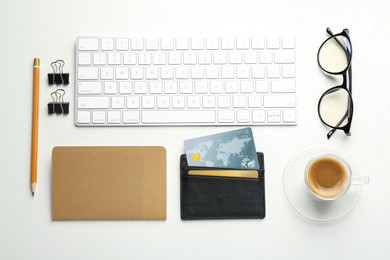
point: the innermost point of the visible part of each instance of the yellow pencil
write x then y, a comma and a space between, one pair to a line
34, 138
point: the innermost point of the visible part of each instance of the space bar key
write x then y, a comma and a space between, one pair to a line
178, 116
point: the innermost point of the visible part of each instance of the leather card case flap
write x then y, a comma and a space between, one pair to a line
216, 197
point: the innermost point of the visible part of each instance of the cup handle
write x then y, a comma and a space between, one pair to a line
361, 180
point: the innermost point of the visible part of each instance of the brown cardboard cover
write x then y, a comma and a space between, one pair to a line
109, 183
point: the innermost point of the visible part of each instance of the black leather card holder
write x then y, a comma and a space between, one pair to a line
211, 197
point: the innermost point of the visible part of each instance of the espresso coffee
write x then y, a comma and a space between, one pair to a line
327, 176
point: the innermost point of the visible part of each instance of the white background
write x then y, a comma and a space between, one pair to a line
48, 30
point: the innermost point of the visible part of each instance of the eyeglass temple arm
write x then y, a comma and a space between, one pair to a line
329, 31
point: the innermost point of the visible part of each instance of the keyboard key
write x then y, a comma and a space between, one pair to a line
163, 102
178, 117
216, 87
137, 44
266, 57
114, 58
129, 58
99, 117
243, 116
131, 117
118, 102
155, 87
273, 42
283, 86
258, 116
182, 44
212, 43
231, 86
125, 87
224, 101
220, 58
174, 58
289, 116
243, 43
88, 73
247, 86
140, 87
258, 72
89, 87
159, 58
273, 72
227, 43
152, 44
201, 87
167, 44
262, 86
197, 43
113, 117
204, 58
110, 87
212, 72
137, 73
279, 101
121, 73
288, 42
99, 59
147, 102
107, 44
93, 102
132, 102
83, 117
178, 101
239, 101
144, 58
193, 101
285, 57
91, 44
254, 101
258, 43
151, 73
84, 58
288, 71
189, 58
208, 102
122, 44
166, 72
170, 87
250, 57
197, 72
185, 87
226, 116
107, 73
235, 57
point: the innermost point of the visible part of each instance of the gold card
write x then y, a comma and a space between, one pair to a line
253, 174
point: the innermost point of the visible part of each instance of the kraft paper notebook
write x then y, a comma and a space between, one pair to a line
109, 183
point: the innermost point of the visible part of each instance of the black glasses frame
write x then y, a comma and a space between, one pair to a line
346, 85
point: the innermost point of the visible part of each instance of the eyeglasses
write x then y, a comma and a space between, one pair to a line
335, 107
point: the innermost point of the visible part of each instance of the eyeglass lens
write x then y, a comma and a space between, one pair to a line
333, 107
334, 55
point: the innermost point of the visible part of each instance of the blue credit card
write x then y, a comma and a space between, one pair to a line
234, 149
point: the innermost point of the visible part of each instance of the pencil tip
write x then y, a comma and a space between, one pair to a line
33, 194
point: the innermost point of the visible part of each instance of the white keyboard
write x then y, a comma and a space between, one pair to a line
185, 81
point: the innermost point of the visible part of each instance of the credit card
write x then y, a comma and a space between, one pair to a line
234, 149
252, 174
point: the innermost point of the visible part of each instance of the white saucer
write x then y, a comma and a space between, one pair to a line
300, 199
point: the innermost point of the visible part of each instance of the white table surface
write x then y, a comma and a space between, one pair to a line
48, 30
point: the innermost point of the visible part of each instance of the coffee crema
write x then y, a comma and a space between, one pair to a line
327, 176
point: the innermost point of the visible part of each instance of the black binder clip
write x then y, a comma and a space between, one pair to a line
58, 105
58, 76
